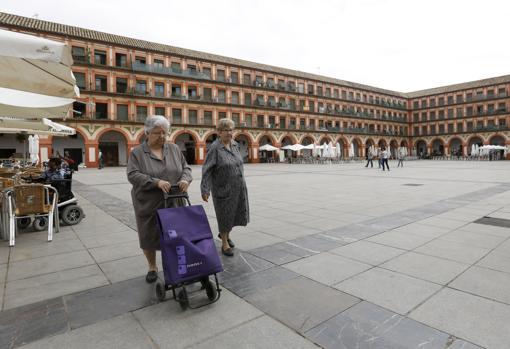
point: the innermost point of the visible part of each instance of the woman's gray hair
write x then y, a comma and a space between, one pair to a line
225, 123
156, 121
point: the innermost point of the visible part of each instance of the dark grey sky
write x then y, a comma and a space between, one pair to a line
403, 45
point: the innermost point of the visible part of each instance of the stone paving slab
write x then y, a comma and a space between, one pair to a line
399, 239
393, 291
127, 268
48, 264
253, 282
327, 268
29, 251
98, 240
484, 282
368, 252
170, 327
262, 332
25, 324
281, 253
122, 250
103, 303
301, 303
367, 326
455, 251
121, 332
478, 320
496, 260
37, 288
434, 269
474, 239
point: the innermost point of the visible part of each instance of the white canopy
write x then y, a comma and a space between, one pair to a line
35, 76
293, 147
42, 126
267, 147
309, 146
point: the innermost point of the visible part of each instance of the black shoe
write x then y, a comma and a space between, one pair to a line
228, 252
151, 277
230, 242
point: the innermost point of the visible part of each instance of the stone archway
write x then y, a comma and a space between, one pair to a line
421, 148
356, 144
325, 139
265, 155
437, 147
497, 140
393, 148
188, 146
343, 143
113, 146
244, 146
73, 146
455, 147
403, 143
287, 140
307, 140
209, 140
474, 140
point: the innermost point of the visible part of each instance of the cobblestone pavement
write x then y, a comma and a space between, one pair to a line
335, 256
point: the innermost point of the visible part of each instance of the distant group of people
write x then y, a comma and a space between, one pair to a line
383, 156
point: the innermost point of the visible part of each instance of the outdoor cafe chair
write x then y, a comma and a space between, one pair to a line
32, 200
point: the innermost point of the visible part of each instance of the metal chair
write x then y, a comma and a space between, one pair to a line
31, 200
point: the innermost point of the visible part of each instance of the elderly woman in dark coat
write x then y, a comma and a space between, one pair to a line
223, 174
153, 167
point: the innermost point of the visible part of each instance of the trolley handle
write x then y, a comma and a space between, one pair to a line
175, 193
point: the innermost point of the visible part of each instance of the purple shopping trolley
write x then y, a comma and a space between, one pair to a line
188, 252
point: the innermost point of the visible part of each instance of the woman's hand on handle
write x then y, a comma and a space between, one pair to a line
164, 186
205, 197
183, 186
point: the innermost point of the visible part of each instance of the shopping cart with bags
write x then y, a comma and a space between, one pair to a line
188, 253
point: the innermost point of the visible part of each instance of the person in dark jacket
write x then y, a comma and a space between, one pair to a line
223, 175
153, 167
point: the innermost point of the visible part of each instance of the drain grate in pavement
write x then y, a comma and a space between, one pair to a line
413, 184
498, 222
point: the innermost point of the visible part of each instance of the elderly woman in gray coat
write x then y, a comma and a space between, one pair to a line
153, 167
223, 175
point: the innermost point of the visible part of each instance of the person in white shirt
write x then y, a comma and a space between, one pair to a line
384, 156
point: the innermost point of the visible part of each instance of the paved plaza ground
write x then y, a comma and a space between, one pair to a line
335, 256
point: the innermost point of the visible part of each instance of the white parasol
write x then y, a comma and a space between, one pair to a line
35, 76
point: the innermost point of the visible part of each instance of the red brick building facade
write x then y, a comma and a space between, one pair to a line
124, 80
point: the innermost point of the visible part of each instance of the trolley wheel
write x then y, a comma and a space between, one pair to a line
160, 291
210, 290
40, 223
182, 298
23, 223
72, 215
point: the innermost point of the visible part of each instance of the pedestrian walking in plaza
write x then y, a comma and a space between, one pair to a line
100, 160
400, 156
153, 167
379, 157
384, 158
370, 158
223, 176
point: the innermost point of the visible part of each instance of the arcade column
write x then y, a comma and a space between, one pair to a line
45, 148
200, 149
254, 153
91, 154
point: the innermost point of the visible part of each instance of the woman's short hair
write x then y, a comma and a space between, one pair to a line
225, 123
154, 121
